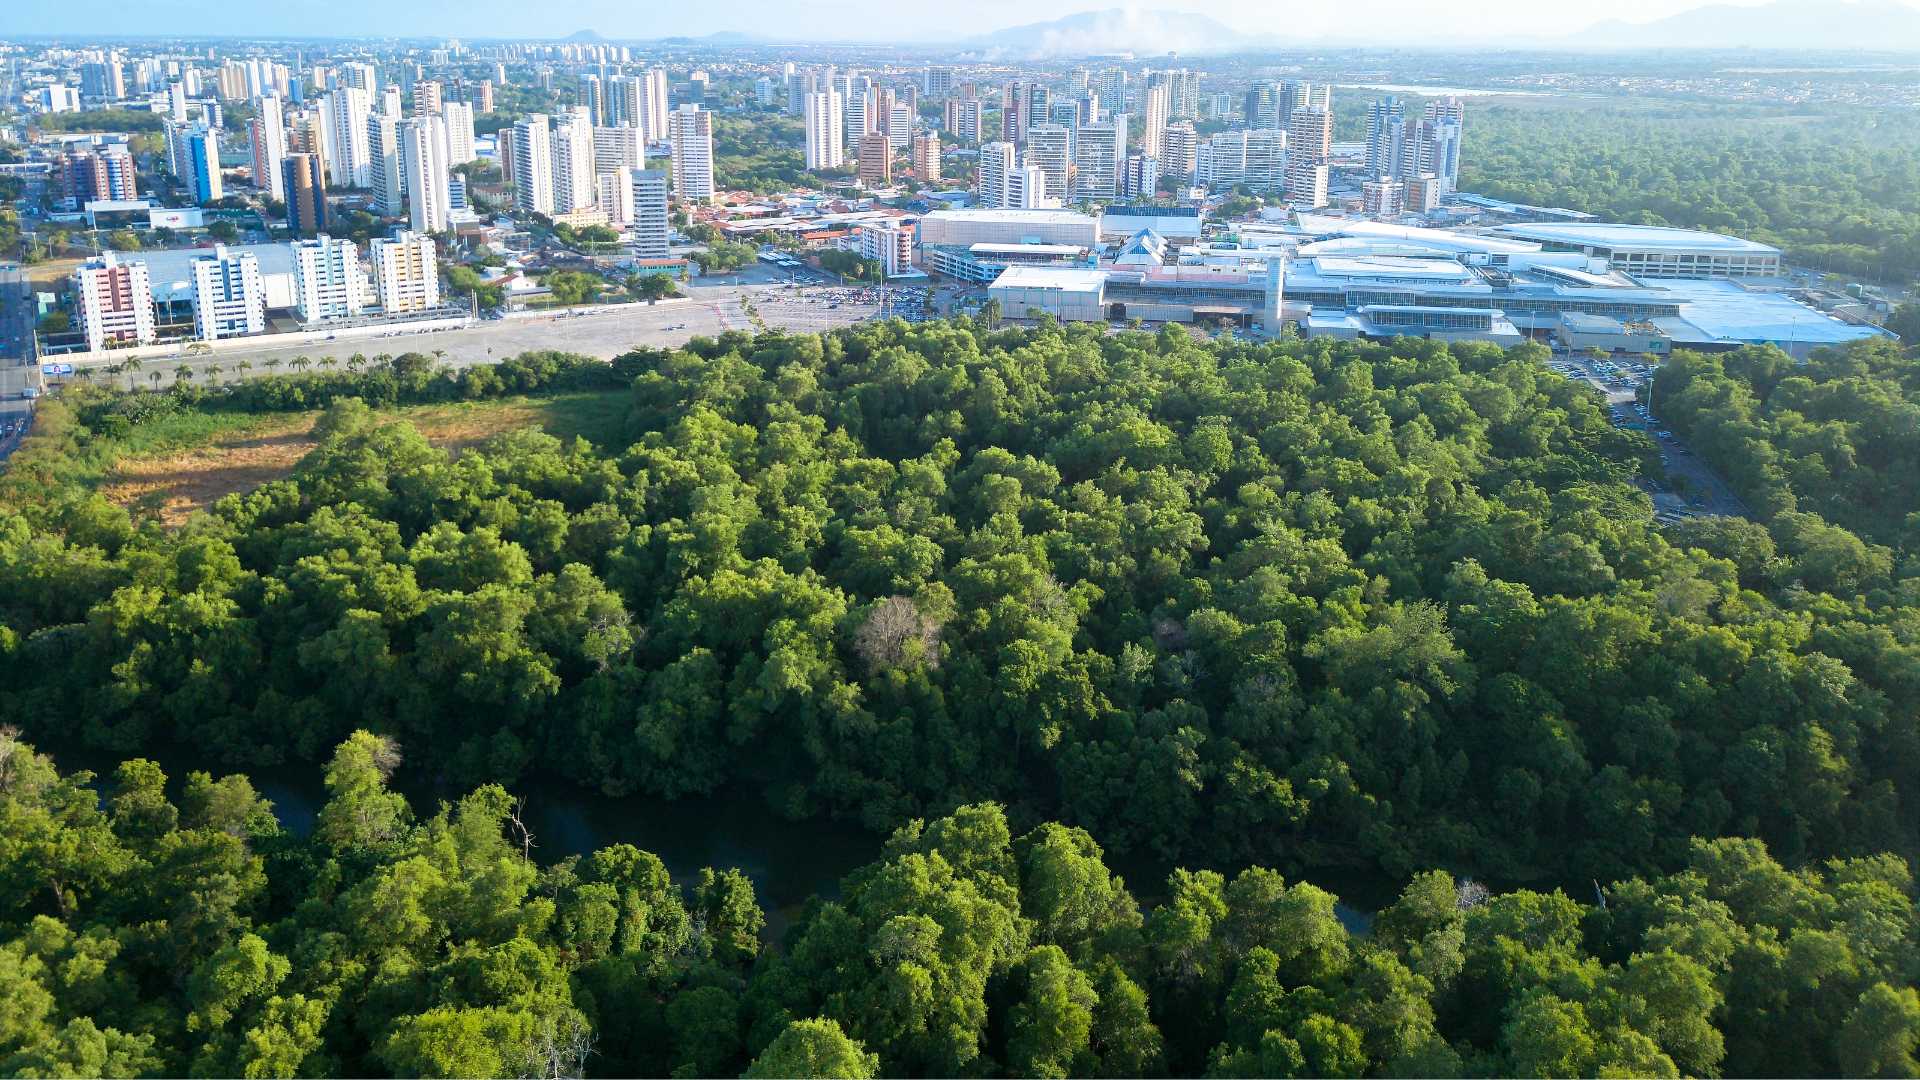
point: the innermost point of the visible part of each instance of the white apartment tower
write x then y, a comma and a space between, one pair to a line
384, 158
351, 164
573, 168
647, 220
459, 118
692, 132
1027, 190
532, 165
228, 297
1050, 146
1179, 146
406, 274
613, 194
1158, 105
826, 141
267, 135
429, 203
1099, 154
654, 101
996, 164
618, 148
328, 282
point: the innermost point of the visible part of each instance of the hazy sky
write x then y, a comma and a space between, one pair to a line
1397, 20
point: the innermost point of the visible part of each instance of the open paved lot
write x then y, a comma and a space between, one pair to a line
711, 310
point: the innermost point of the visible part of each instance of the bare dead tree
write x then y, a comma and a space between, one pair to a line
1470, 894
514, 818
386, 756
894, 632
560, 1047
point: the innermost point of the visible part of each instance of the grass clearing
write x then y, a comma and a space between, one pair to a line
172, 467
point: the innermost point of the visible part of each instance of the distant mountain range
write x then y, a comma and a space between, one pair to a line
1880, 25
1146, 31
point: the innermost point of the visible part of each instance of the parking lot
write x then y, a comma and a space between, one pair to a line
1626, 382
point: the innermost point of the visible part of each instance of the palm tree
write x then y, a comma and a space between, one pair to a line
356, 362
182, 373
300, 363
213, 374
130, 365
84, 374
243, 367
272, 362
155, 376
328, 362
439, 355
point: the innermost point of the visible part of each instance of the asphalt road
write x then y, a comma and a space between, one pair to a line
1705, 491
16, 374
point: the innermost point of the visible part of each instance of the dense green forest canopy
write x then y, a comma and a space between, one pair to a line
1304, 604
1836, 189
759, 153
176, 929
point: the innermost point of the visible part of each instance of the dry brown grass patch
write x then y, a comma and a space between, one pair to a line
170, 487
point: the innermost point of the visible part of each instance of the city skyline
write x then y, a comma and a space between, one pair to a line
1400, 22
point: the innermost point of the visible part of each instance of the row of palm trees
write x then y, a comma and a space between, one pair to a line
132, 366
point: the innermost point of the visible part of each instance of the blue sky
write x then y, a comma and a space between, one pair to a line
799, 19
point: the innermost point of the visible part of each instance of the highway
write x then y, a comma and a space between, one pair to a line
17, 369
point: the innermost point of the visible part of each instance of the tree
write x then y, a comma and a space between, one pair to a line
810, 1049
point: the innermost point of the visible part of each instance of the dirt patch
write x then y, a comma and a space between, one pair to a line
171, 487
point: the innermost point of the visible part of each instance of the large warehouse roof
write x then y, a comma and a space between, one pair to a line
1652, 237
1024, 217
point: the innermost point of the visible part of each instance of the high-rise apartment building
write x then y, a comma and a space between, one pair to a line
647, 222
926, 158
876, 159
1386, 139
1179, 149
592, 98
618, 148
1051, 147
229, 299
1382, 198
937, 82
613, 196
691, 129
996, 164
1027, 190
114, 302
428, 97
1099, 152
459, 118
899, 125
963, 118
533, 165
203, 165
384, 157
1265, 168
267, 140
328, 281
406, 273
1309, 146
654, 103
304, 181
103, 173
429, 203
824, 117
345, 111
573, 166
1141, 177
1158, 104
